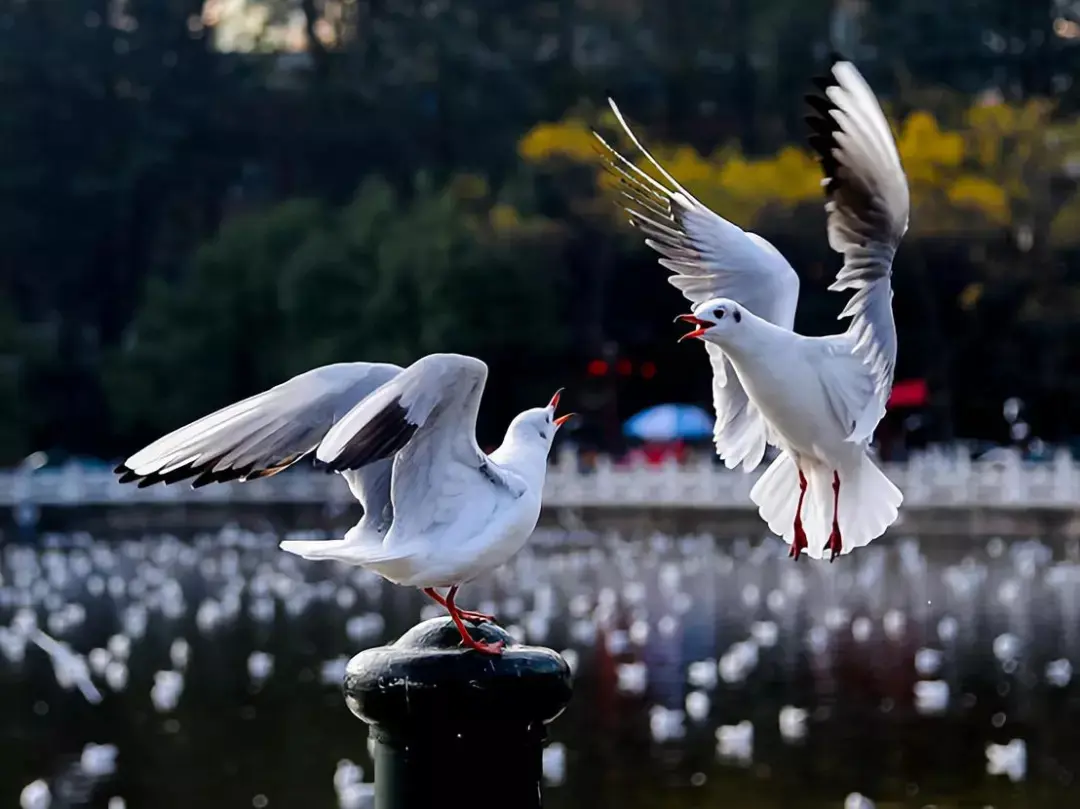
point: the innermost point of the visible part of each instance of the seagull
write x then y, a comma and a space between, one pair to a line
816, 399
438, 512
69, 666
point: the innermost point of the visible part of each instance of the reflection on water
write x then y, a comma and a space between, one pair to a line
708, 672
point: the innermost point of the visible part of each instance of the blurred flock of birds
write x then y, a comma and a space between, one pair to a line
675, 625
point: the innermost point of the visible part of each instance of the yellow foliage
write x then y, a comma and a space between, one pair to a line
969, 177
970, 295
997, 117
800, 175
686, 165
981, 194
1006, 119
570, 139
504, 218
925, 150
789, 178
998, 131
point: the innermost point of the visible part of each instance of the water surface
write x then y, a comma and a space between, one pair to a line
671, 640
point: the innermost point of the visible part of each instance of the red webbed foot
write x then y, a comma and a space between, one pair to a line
835, 543
799, 544
459, 616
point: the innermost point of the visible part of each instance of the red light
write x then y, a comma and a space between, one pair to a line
909, 393
648, 370
623, 367
597, 368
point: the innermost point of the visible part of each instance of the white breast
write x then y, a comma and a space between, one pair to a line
476, 542
789, 394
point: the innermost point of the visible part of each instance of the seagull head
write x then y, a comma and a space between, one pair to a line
540, 423
713, 318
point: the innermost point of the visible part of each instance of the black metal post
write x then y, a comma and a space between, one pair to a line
452, 725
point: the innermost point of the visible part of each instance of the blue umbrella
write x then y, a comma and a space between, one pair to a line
669, 422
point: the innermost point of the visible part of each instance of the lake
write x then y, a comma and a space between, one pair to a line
708, 671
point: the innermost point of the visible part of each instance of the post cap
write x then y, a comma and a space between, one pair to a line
427, 678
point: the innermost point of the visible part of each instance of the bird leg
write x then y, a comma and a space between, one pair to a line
799, 543
487, 648
468, 615
835, 543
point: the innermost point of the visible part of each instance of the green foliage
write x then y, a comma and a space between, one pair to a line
216, 332
383, 278
127, 142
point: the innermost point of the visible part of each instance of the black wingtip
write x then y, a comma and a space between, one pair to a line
177, 475
203, 473
207, 475
383, 436
823, 128
128, 476
203, 478
820, 104
167, 478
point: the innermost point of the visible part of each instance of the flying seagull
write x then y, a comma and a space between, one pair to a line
438, 512
817, 399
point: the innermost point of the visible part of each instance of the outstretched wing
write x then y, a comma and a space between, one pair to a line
868, 204
261, 435
425, 419
711, 257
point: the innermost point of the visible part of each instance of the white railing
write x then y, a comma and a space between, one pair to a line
934, 479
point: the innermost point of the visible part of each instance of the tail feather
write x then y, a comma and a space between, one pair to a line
866, 515
360, 546
776, 494
316, 548
869, 503
818, 511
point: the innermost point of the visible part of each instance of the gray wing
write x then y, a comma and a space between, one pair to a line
261, 435
867, 202
711, 257
425, 419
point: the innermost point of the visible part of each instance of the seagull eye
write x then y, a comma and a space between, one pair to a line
719, 314
738, 316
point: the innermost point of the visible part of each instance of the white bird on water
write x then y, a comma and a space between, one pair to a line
817, 399
438, 512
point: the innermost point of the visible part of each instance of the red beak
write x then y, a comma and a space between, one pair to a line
554, 403
704, 325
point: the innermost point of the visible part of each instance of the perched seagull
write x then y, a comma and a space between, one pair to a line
817, 399
438, 512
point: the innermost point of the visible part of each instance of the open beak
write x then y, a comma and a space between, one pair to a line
703, 326
554, 403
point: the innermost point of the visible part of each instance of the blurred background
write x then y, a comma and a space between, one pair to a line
201, 198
